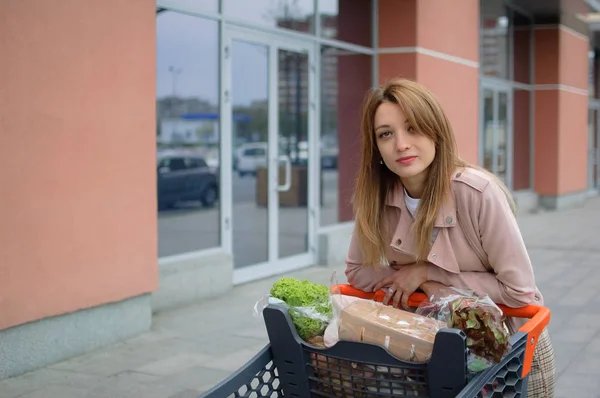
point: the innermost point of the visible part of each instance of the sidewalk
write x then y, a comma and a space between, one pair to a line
191, 349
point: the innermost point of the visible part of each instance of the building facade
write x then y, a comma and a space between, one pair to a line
268, 94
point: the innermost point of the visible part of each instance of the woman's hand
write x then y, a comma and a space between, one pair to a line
435, 289
402, 283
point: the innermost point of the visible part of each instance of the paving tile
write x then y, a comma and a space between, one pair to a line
187, 394
594, 345
134, 385
570, 381
579, 296
29, 382
198, 378
568, 335
566, 354
173, 364
233, 361
101, 363
61, 391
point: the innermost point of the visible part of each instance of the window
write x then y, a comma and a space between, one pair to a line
255, 152
295, 15
347, 20
187, 108
494, 40
345, 79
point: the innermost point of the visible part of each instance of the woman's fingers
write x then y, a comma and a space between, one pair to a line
405, 296
397, 298
388, 296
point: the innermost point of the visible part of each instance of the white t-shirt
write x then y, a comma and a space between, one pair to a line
411, 203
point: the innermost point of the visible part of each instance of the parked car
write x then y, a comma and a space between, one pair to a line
249, 157
185, 178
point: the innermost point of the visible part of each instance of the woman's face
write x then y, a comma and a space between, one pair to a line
405, 151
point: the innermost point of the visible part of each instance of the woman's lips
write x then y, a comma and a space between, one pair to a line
406, 160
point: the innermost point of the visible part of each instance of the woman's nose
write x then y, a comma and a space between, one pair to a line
401, 143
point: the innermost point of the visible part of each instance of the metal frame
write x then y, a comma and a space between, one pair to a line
185, 8
594, 106
313, 40
497, 88
275, 264
510, 85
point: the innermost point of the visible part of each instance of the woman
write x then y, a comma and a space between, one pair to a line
426, 219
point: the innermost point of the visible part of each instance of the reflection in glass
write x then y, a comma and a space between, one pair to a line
502, 140
488, 130
594, 151
347, 20
521, 139
522, 32
494, 44
293, 85
211, 6
249, 95
345, 78
290, 14
187, 135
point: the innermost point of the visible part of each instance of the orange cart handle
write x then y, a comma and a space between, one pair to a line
539, 317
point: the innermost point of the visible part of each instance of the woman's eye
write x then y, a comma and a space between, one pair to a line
384, 134
411, 129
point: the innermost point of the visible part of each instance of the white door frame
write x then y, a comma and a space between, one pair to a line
496, 87
274, 265
594, 153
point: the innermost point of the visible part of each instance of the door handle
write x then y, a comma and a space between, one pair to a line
288, 173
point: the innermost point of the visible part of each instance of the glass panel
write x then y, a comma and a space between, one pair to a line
594, 152
597, 150
290, 14
211, 6
591, 149
502, 129
345, 78
592, 77
293, 82
347, 20
494, 48
249, 137
187, 135
488, 130
522, 140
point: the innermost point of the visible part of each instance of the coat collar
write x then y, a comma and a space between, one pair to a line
446, 216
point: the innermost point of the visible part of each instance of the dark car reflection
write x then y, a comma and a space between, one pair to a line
185, 178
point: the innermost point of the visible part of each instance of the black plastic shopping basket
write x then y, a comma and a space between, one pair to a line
291, 367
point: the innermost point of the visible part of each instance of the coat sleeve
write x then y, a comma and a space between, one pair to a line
362, 276
512, 281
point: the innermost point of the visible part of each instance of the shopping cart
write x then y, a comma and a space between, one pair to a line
291, 367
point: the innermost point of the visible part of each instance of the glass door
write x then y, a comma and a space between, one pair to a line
269, 134
496, 132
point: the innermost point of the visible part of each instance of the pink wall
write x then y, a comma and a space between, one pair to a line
431, 25
77, 130
561, 115
459, 96
450, 27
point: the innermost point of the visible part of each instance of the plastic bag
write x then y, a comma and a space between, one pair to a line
308, 304
479, 318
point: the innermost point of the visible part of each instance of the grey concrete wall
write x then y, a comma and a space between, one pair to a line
527, 202
37, 344
333, 244
562, 202
188, 278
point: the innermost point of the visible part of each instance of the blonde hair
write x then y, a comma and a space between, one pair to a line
375, 182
